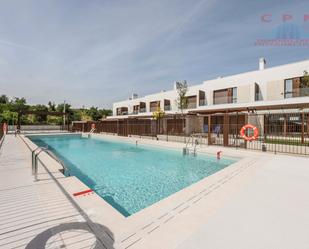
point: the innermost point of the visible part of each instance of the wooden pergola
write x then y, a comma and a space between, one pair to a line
226, 111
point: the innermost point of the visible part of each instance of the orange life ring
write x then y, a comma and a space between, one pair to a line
92, 126
243, 132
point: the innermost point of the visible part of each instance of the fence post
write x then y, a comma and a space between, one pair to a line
209, 129
246, 122
302, 127
226, 129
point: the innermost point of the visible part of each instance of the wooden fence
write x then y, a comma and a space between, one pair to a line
278, 132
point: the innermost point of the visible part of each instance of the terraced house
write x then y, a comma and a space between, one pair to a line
274, 99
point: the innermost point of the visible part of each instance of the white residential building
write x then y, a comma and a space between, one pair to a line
276, 86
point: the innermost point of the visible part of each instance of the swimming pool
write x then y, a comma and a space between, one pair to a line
129, 177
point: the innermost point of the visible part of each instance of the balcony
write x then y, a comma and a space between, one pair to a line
154, 106
122, 111
257, 92
191, 105
258, 97
202, 98
167, 108
225, 100
225, 96
135, 109
141, 110
153, 109
167, 105
297, 92
191, 102
202, 102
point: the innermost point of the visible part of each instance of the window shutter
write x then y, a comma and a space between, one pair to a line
296, 86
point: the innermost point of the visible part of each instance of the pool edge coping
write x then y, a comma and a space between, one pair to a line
134, 222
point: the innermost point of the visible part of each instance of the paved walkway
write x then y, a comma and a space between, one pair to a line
272, 211
263, 206
38, 214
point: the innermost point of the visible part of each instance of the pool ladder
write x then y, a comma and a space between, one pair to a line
186, 149
35, 156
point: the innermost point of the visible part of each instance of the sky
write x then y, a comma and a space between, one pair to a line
96, 52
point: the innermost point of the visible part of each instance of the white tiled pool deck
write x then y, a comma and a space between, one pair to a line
260, 202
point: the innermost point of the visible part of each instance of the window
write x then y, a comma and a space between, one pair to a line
202, 98
234, 94
135, 109
154, 106
225, 96
122, 111
288, 88
142, 107
257, 93
296, 87
191, 102
167, 105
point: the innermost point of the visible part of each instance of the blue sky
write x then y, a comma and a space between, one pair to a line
97, 52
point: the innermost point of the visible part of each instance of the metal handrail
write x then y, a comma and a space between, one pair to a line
2, 140
51, 154
33, 158
194, 144
64, 168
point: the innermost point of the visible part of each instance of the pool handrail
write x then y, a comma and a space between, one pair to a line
194, 144
52, 155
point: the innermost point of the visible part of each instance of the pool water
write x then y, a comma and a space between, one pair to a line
129, 177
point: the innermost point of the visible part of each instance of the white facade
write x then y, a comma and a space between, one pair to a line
270, 82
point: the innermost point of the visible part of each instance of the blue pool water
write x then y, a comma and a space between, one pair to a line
127, 176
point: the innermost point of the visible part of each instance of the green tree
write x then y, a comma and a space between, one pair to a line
105, 112
9, 110
40, 118
94, 113
97, 114
9, 117
84, 115
51, 106
305, 80
19, 104
4, 99
60, 108
304, 84
182, 100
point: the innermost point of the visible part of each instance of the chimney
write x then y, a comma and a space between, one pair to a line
175, 85
262, 63
134, 96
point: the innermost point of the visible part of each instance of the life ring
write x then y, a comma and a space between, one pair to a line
92, 126
243, 132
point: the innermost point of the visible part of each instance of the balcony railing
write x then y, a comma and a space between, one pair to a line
191, 106
167, 108
142, 110
258, 97
202, 102
122, 113
297, 92
153, 109
224, 100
